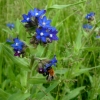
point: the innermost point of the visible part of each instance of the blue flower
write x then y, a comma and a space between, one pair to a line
44, 22
26, 18
87, 26
17, 45
37, 13
10, 25
90, 15
53, 61
41, 34
52, 34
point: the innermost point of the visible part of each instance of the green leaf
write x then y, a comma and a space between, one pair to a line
61, 71
18, 26
3, 95
19, 96
10, 73
91, 48
27, 3
49, 3
8, 31
1, 62
81, 71
39, 51
5, 83
50, 88
72, 94
37, 80
78, 43
23, 78
65, 6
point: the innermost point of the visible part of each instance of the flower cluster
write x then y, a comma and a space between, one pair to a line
45, 68
17, 47
36, 21
89, 17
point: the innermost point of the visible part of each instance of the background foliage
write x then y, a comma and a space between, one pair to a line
78, 53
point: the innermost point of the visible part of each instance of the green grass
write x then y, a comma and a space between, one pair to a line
77, 75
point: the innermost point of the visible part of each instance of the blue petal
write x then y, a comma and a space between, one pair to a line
48, 65
43, 39
54, 37
48, 22
38, 37
40, 21
54, 60
38, 31
42, 12
46, 34
44, 19
24, 16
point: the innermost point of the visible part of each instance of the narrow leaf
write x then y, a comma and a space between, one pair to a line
73, 93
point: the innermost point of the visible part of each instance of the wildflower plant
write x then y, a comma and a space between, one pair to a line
32, 75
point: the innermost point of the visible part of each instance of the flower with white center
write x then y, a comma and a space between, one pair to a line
41, 34
26, 18
37, 13
52, 34
44, 22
